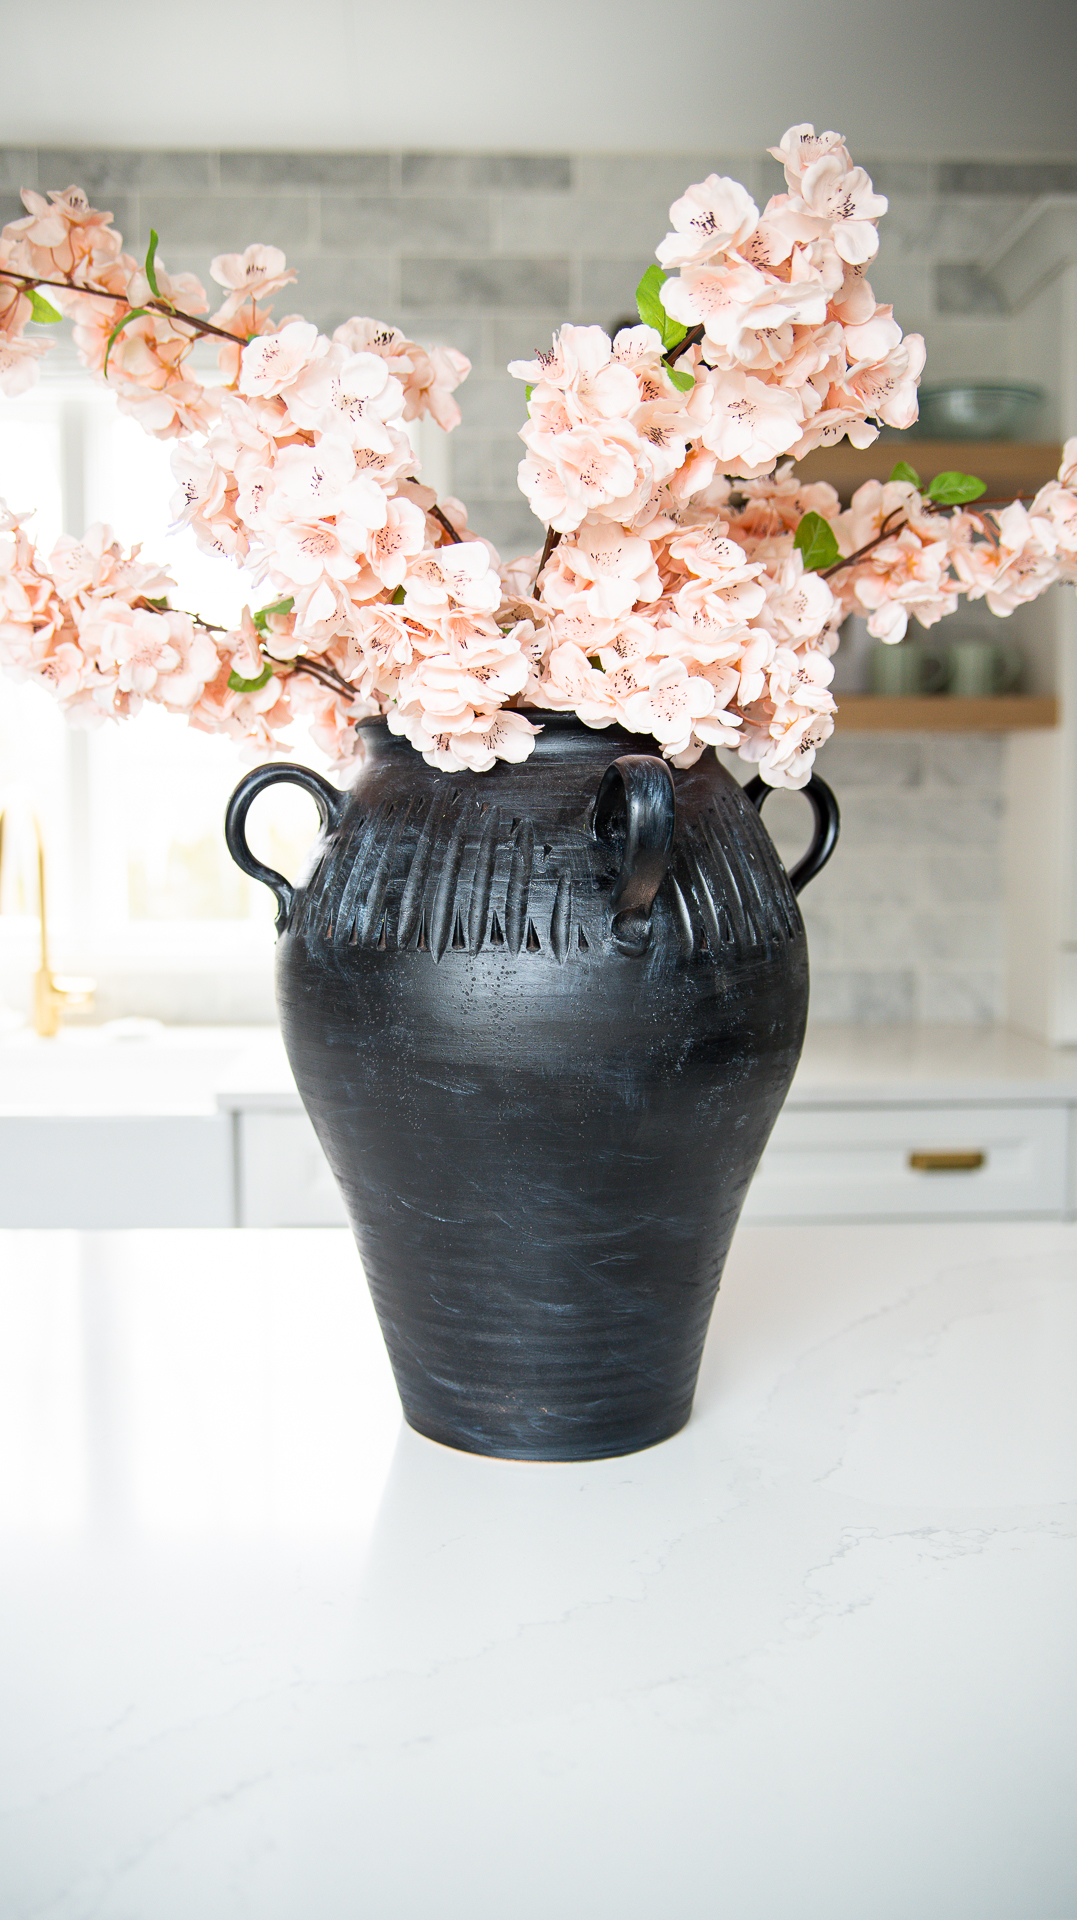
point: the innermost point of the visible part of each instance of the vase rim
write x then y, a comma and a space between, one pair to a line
548, 719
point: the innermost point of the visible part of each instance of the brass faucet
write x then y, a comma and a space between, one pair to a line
52, 997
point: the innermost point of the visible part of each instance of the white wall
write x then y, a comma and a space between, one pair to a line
921, 79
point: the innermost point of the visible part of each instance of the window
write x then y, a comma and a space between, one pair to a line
142, 894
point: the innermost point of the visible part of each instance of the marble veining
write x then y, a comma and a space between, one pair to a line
272, 1655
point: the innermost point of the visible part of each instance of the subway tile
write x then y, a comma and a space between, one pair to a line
867, 996
662, 177
492, 404
513, 530
771, 178
902, 176
960, 874
958, 229
353, 222
960, 996
553, 223
331, 289
471, 467
966, 289
118, 170
879, 819
18, 168
486, 172
443, 327
964, 759
865, 877
336, 172
228, 224
608, 291
969, 932
878, 933
519, 336
1017, 179
428, 281
505, 457
871, 760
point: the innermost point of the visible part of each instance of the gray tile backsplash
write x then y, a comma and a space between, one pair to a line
961, 288
1020, 179
489, 252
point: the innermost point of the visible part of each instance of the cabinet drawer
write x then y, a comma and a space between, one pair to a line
859, 1163
284, 1177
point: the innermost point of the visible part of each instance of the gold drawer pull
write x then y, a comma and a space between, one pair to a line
947, 1162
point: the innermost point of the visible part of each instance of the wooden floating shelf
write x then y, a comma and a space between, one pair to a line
943, 713
1008, 467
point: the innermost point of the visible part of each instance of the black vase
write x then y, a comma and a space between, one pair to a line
543, 1020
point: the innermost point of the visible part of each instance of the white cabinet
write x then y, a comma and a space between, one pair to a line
914, 1163
109, 1170
283, 1176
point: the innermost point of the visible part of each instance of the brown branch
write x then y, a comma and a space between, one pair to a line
551, 541
120, 299
444, 521
321, 671
884, 533
691, 339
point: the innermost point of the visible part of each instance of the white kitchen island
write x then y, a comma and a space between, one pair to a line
270, 1656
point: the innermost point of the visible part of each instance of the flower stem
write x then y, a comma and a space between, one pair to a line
691, 339
443, 521
552, 539
120, 299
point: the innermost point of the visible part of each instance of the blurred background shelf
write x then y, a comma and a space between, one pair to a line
1008, 467
941, 713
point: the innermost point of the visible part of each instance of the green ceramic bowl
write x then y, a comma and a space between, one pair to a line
979, 410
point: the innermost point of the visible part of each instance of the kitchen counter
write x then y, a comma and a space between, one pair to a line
268, 1653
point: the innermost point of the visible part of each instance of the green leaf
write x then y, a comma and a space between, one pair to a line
151, 269
595, 662
135, 313
652, 312
953, 489
261, 618
161, 603
903, 471
398, 598
42, 310
239, 685
528, 391
817, 542
685, 381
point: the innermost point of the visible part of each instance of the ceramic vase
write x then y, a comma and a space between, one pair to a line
543, 1020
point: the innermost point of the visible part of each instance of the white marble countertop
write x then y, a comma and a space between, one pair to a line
141, 1067
269, 1654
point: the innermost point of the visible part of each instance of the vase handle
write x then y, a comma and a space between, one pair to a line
827, 825
329, 801
636, 802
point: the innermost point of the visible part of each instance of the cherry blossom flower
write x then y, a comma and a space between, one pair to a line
251, 275
709, 219
274, 361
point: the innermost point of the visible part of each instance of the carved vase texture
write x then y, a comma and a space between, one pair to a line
543, 1020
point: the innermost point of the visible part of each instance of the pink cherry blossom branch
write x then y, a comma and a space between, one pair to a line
120, 299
